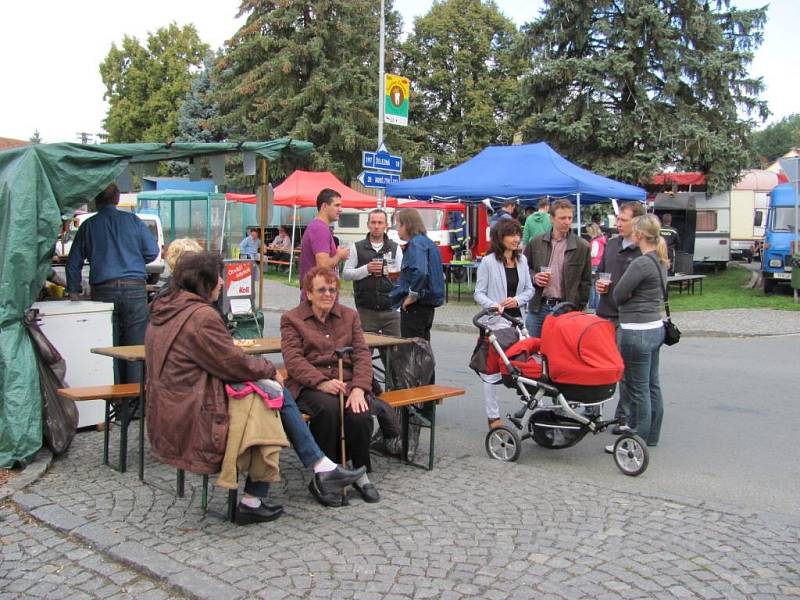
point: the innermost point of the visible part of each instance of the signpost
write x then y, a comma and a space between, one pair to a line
382, 160
377, 179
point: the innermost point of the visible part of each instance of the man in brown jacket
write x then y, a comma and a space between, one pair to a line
561, 267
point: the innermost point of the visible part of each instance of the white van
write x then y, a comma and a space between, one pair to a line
153, 222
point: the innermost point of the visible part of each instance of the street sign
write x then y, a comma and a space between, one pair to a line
382, 161
376, 179
395, 109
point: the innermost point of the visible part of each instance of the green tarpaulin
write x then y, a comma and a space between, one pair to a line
37, 184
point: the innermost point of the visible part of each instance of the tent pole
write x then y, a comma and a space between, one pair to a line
291, 255
262, 217
224, 218
579, 213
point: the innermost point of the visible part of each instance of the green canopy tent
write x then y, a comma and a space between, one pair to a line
37, 184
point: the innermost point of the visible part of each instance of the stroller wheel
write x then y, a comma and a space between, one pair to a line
630, 454
503, 443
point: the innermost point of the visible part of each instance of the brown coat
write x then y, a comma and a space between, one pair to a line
190, 356
576, 276
308, 348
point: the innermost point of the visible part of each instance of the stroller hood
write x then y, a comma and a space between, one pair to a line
581, 349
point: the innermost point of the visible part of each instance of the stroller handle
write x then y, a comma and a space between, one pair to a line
493, 311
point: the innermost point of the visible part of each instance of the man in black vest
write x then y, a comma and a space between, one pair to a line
372, 265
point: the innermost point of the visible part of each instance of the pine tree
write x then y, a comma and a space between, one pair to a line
629, 87
464, 75
198, 109
35, 138
307, 70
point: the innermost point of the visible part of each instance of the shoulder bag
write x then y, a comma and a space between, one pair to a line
672, 335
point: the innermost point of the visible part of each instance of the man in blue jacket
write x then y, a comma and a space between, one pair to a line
420, 288
118, 246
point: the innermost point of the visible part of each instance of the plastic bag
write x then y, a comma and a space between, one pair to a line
60, 415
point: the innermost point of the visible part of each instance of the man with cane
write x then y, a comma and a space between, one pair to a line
315, 336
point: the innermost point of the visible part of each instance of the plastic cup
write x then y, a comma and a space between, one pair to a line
547, 270
604, 277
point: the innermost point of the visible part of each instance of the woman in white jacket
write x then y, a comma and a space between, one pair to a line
504, 282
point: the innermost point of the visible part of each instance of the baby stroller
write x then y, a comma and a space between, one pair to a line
563, 379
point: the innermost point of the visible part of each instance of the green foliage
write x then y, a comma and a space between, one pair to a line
307, 70
464, 74
145, 85
35, 138
199, 108
776, 140
629, 87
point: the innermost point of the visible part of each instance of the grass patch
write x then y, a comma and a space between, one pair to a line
725, 290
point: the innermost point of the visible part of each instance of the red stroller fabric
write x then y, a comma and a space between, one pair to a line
581, 349
524, 355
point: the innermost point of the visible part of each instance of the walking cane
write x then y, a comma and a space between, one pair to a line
340, 353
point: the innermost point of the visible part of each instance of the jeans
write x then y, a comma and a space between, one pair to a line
644, 404
534, 320
298, 432
129, 321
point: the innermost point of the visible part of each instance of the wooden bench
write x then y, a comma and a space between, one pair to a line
406, 400
121, 402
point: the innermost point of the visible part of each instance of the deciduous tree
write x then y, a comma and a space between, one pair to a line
145, 85
776, 140
629, 87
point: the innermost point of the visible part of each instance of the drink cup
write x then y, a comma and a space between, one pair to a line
546, 272
605, 280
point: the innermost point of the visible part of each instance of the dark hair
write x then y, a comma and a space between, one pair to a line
327, 274
509, 202
326, 196
559, 204
502, 229
376, 211
110, 195
283, 229
666, 219
197, 272
636, 208
544, 203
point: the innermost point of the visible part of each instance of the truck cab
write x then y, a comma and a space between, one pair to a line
779, 238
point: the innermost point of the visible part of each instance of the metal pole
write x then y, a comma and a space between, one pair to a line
381, 93
796, 185
291, 255
579, 213
262, 192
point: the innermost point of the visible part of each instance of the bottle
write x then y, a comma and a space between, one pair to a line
385, 270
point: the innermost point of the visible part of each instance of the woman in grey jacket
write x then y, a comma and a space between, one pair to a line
504, 282
638, 295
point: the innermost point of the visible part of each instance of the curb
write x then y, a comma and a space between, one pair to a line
37, 468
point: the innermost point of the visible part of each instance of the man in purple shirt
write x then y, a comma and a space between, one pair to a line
318, 248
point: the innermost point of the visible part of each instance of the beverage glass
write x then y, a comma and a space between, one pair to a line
605, 280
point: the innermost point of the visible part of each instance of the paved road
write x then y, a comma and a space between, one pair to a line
712, 518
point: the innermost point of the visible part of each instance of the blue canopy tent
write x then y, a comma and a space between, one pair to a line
524, 172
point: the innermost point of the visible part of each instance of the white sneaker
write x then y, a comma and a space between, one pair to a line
609, 449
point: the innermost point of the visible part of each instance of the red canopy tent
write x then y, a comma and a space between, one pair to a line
300, 190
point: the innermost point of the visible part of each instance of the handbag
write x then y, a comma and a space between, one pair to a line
672, 335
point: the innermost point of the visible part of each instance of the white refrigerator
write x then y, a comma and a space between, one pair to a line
74, 328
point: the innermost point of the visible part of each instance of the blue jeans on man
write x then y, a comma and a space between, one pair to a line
129, 322
644, 405
535, 320
299, 436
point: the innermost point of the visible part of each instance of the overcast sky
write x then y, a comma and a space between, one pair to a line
50, 52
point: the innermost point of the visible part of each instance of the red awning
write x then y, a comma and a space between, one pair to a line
690, 178
301, 189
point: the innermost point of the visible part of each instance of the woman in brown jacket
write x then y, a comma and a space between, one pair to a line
190, 356
310, 335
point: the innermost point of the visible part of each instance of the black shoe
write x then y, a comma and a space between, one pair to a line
245, 515
327, 487
368, 492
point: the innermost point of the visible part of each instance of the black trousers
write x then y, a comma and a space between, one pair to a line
416, 321
324, 411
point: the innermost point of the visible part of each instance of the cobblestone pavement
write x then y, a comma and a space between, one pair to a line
472, 528
36, 561
279, 297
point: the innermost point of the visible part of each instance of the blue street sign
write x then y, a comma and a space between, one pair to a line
376, 179
382, 160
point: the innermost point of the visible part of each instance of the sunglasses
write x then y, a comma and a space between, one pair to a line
330, 290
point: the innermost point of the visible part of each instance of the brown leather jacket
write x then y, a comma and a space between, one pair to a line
190, 356
308, 348
576, 276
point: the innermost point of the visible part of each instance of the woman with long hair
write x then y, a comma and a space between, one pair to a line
639, 294
420, 288
503, 282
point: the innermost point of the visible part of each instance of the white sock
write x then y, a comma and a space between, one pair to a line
363, 480
324, 465
251, 501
